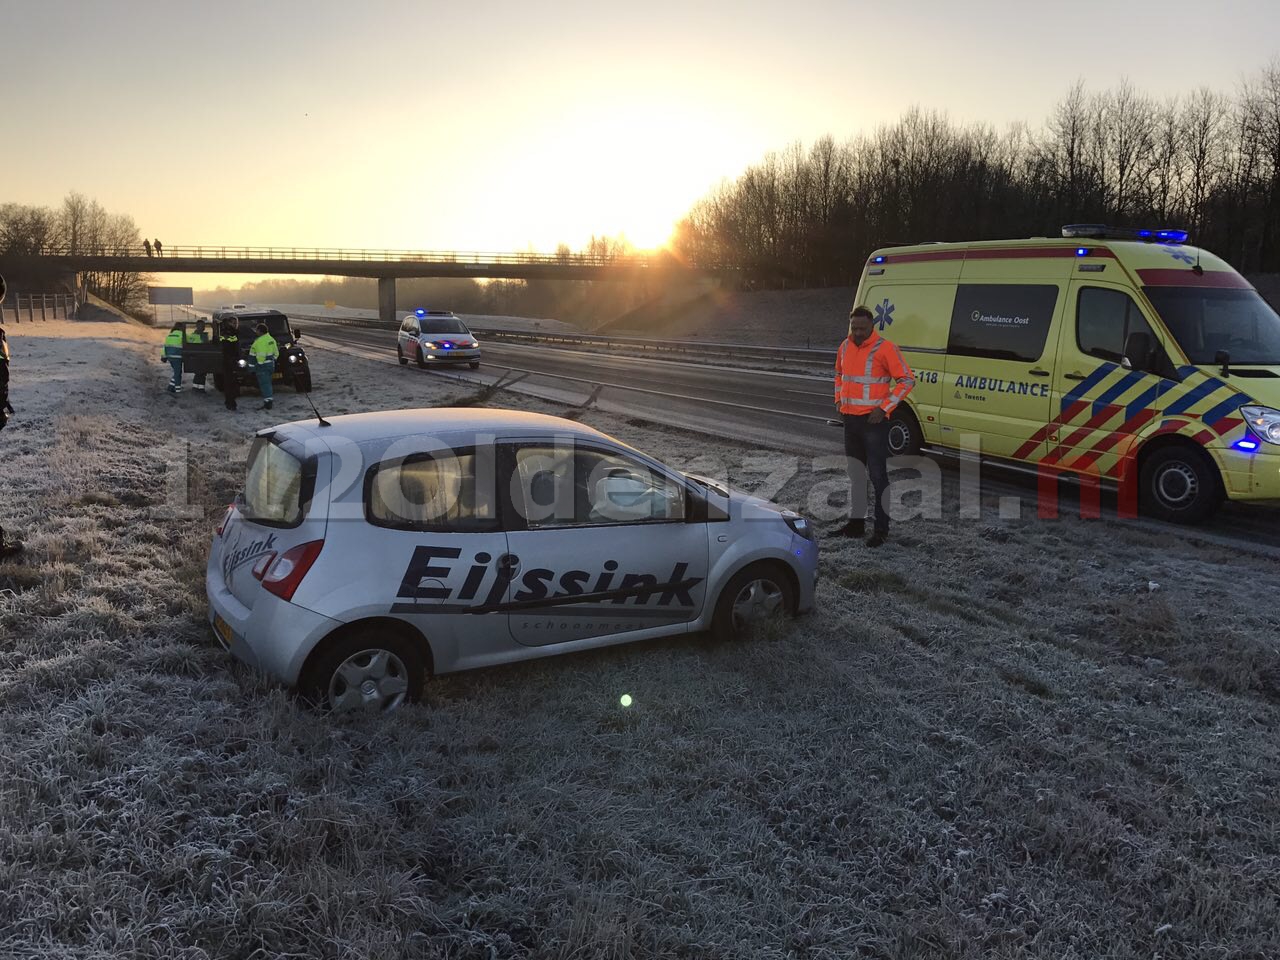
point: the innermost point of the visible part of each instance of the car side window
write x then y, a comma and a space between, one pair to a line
573, 486
451, 490
1105, 319
1002, 321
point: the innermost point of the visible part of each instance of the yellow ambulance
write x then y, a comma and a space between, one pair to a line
1123, 357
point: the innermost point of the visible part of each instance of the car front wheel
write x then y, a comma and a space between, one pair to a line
404, 361
371, 669
1179, 483
756, 596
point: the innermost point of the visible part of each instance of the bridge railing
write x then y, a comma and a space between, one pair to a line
222, 252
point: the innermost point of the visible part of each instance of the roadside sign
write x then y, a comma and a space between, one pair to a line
173, 296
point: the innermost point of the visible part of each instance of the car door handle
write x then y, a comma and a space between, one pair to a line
1074, 376
1038, 372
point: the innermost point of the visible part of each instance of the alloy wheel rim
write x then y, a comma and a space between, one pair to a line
758, 601
897, 438
374, 680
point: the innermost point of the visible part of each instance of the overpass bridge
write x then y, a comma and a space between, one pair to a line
386, 266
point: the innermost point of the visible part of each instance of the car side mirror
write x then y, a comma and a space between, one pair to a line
1137, 352
1223, 359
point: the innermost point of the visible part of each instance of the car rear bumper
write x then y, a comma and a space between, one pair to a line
273, 637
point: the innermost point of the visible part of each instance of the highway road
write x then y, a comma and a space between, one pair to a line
779, 410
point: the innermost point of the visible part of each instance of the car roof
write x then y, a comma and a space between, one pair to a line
438, 422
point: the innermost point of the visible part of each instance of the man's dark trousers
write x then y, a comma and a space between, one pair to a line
868, 444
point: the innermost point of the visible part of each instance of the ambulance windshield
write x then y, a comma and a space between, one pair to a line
1205, 320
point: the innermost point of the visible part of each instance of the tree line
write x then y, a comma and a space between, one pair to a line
1204, 160
79, 225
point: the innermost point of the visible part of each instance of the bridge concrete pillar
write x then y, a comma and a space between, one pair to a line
387, 300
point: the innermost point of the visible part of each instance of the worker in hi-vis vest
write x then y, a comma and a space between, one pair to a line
172, 355
263, 354
871, 380
198, 335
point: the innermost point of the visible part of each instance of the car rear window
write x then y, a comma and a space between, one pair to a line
274, 489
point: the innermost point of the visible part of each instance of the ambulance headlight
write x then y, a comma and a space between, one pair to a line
1264, 422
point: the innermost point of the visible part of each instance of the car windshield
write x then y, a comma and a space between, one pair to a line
277, 325
1205, 321
443, 325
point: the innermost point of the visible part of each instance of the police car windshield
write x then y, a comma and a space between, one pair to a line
1206, 320
443, 325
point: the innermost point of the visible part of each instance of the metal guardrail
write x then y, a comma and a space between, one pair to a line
37, 306
742, 351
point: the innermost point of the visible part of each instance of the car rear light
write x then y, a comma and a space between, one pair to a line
260, 568
226, 518
284, 575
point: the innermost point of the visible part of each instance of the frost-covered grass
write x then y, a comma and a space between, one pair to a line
992, 738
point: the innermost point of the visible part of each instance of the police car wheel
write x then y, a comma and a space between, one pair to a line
1179, 483
474, 364
904, 434
422, 357
404, 361
753, 597
370, 669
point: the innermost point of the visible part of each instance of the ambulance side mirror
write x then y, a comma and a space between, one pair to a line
1137, 352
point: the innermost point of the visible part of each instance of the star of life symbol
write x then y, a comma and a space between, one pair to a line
884, 314
1183, 256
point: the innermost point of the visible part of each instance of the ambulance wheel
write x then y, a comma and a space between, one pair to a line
905, 439
755, 596
474, 364
1179, 483
404, 361
372, 667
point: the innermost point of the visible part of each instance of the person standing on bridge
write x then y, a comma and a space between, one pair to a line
871, 380
172, 355
229, 339
159, 248
146, 245
264, 351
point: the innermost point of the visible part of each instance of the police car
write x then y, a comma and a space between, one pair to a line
374, 550
436, 336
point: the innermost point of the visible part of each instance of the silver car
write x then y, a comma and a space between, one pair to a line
371, 553
436, 336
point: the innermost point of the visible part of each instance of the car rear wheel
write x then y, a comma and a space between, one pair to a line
754, 597
1179, 483
373, 669
404, 361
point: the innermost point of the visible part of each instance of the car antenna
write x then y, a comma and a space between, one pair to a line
311, 403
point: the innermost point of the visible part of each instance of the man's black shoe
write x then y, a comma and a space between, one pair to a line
878, 537
853, 528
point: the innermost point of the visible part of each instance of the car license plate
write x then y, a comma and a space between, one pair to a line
222, 630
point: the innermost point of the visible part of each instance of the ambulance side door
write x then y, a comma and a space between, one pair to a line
1099, 402
999, 370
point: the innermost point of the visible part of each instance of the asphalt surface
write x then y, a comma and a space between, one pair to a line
787, 411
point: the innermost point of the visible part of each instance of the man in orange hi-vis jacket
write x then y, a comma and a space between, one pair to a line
871, 380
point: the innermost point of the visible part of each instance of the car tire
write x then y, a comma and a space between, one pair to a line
905, 438
754, 595
422, 356
220, 383
474, 364
372, 668
404, 361
1179, 483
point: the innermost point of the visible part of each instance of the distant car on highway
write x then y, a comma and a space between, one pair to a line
436, 336
378, 549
